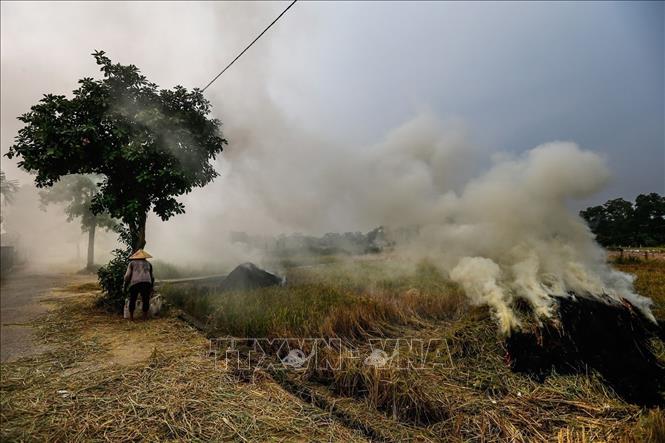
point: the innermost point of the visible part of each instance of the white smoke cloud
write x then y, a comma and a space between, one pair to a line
502, 232
519, 238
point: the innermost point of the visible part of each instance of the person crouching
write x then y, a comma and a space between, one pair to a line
140, 280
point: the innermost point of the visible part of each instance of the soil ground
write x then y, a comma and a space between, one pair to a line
101, 377
21, 293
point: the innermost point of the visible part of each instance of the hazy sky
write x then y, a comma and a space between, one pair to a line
518, 74
484, 124
515, 75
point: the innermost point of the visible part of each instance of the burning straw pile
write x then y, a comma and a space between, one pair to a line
590, 369
595, 333
481, 398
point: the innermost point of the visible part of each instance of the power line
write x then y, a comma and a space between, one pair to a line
249, 46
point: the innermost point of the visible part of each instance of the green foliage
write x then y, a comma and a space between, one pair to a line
149, 145
111, 275
649, 219
622, 223
77, 192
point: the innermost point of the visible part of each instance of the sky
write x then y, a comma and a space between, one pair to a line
334, 78
518, 74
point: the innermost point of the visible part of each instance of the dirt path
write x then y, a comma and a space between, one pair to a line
104, 378
21, 293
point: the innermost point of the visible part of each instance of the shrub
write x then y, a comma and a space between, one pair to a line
111, 275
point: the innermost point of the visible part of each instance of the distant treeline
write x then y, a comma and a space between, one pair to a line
622, 223
374, 241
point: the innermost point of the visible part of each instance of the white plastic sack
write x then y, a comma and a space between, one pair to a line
126, 310
156, 303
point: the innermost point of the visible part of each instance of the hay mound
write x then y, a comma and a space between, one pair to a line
614, 339
248, 276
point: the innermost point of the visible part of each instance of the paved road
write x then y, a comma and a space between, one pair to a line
20, 295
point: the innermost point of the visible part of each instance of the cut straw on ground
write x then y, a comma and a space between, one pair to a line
79, 392
105, 379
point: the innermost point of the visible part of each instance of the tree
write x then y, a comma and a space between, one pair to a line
611, 222
620, 223
649, 219
148, 145
7, 188
619, 217
77, 192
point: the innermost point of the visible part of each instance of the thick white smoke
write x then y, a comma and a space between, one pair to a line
503, 233
514, 236
499, 226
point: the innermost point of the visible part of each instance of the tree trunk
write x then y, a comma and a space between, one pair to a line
140, 241
91, 246
140, 233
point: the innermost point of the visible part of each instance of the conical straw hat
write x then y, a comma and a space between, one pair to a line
140, 254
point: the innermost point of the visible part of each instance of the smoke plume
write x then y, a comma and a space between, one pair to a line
504, 233
500, 225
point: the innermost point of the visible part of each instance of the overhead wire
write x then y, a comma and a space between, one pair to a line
250, 45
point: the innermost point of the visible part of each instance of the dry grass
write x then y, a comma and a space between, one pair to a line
81, 288
651, 428
479, 399
351, 301
79, 391
173, 392
650, 282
